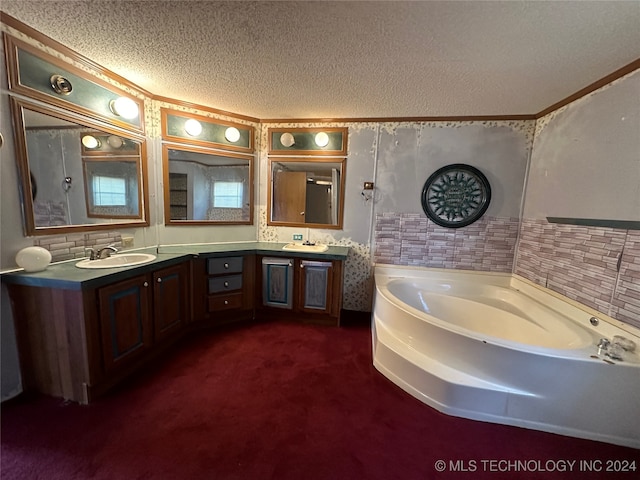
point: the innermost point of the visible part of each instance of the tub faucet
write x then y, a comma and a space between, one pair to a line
603, 344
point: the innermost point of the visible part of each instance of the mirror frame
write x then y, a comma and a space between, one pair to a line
310, 160
26, 185
189, 148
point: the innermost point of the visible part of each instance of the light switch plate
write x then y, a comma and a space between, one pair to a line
297, 236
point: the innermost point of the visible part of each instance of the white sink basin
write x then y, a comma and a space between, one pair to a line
119, 260
299, 247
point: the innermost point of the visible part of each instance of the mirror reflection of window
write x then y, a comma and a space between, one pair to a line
109, 191
227, 194
52, 155
111, 188
207, 186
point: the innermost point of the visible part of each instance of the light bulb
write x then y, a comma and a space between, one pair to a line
124, 107
232, 134
90, 141
193, 127
115, 141
322, 139
287, 140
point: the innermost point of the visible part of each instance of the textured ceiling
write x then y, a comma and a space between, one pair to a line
346, 59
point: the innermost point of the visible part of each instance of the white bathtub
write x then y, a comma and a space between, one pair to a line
497, 348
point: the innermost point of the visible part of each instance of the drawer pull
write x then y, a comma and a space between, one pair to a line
145, 284
159, 280
226, 302
226, 265
226, 284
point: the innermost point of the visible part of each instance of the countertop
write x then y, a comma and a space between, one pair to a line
65, 275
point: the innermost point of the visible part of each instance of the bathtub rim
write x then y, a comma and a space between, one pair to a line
608, 326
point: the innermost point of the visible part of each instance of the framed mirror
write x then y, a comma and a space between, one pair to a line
306, 192
77, 174
204, 186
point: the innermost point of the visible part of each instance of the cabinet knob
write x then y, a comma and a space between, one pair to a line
226, 265
226, 302
301, 213
145, 284
159, 280
226, 284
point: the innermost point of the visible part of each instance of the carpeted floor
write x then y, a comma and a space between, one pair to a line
278, 401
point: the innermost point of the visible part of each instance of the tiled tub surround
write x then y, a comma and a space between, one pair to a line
68, 247
413, 239
581, 263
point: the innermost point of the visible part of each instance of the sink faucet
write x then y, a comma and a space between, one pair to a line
107, 251
307, 242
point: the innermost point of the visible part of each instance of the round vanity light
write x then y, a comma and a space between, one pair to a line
33, 259
322, 139
193, 127
232, 134
124, 107
90, 141
115, 141
287, 140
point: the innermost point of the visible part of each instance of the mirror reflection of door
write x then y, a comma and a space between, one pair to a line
306, 192
290, 196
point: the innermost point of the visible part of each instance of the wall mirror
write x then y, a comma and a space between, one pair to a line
306, 192
204, 186
77, 175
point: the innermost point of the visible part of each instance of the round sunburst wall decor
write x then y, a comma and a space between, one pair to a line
456, 195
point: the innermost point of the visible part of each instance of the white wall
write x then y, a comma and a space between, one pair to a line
586, 157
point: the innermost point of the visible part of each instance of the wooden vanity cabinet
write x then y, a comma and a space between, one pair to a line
316, 293
223, 289
76, 344
138, 313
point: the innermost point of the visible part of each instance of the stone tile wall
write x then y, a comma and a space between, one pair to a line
68, 247
596, 266
413, 239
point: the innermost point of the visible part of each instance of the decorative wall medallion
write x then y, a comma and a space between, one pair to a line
456, 195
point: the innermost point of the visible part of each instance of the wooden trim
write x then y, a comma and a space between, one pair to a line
25, 183
196, 149
204, 108
470, 118
311, 130
12, 44
50, 42
621, 72
164, 122
311, 160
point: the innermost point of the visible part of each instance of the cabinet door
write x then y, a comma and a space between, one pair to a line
315, 286
125, 321
170, 300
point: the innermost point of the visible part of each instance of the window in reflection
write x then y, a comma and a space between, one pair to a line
206, 186
70, 162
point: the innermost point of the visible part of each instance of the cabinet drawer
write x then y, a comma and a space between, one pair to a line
225, 284
225, 302
224, 265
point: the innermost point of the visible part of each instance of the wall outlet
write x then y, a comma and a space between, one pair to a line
297, 236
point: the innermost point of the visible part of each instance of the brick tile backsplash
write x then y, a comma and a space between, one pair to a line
578, 262
581, 263
413, 239
68, 247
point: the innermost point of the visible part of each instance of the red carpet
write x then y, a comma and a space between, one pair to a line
278, 401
